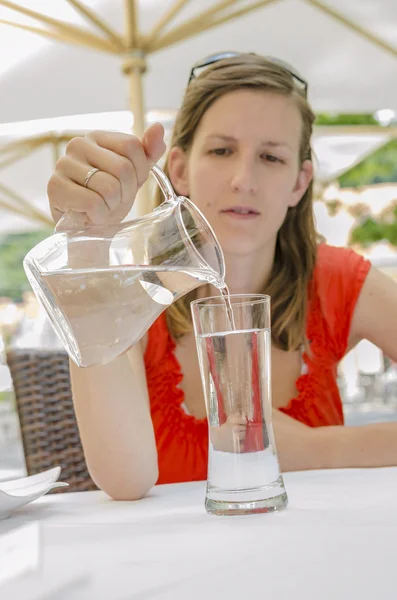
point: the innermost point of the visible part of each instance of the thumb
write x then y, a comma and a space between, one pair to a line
71, 220
153, 142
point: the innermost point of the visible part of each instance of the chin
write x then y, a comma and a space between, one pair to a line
239, 247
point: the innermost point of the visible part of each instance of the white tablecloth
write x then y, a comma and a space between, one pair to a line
337, 540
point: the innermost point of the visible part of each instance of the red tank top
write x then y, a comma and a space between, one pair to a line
182, 440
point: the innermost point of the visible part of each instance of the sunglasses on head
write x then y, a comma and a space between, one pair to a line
300, 83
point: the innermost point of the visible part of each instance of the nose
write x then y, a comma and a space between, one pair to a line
244, 177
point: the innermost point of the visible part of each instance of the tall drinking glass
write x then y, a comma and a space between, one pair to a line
234, 350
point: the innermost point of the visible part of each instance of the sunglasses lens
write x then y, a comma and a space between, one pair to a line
300, 83
206, 62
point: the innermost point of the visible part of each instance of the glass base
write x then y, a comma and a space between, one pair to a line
253, 507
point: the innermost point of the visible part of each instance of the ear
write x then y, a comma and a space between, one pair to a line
303, 180
178, 170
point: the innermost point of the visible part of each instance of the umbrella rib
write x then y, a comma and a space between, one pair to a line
164, 20
15, 157
75, 34
18, 211
55, 149
336, 130
131, 19
198, 25
36, 141
100, 44
34, 212
191, 25
31, 143
92, 18
357, 28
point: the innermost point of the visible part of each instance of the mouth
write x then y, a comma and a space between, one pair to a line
241, 212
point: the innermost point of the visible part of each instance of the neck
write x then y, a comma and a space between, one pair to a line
246, 274
249, 274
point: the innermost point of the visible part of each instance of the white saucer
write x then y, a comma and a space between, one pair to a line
18, 492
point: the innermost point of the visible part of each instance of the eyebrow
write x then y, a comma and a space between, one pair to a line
267, 143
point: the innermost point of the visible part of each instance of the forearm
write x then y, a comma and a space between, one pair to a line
372, 445
301, 447
295, 443
116, 427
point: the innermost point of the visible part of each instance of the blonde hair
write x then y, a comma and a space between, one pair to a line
296, 245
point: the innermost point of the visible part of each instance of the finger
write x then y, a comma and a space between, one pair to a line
126, 146
105, 184
153, 142
236, 419
56, 213
143, 154
90, 152
71, 220
239, 430
79, 199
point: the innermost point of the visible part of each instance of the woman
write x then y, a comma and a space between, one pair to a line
241, 152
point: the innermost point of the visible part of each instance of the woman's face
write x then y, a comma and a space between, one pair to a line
243, 169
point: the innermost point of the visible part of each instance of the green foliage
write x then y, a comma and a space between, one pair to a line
380, 167
13, 248
6, 396
345, 119
371, 230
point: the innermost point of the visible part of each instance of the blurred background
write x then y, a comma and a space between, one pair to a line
68, 66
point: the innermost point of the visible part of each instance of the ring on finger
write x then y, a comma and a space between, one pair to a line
89, 175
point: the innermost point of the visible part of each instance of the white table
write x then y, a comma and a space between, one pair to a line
337, 540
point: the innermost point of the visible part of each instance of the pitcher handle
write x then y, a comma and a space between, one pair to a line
164, 184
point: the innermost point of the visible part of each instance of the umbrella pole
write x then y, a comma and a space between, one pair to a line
134, 67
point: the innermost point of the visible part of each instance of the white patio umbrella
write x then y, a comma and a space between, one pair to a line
346, 52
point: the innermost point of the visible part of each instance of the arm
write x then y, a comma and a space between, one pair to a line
112, 409
111, 401
375, 319
301, 447
375, 315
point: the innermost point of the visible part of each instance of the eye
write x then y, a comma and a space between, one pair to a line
271, 158
221, 151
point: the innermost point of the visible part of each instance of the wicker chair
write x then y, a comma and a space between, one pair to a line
48, 424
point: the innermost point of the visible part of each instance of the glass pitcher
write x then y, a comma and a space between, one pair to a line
103, 286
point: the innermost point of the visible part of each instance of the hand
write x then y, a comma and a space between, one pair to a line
229, 437
295, 443
124, 163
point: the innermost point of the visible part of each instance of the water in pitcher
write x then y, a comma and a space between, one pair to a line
243, 464
109, 310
